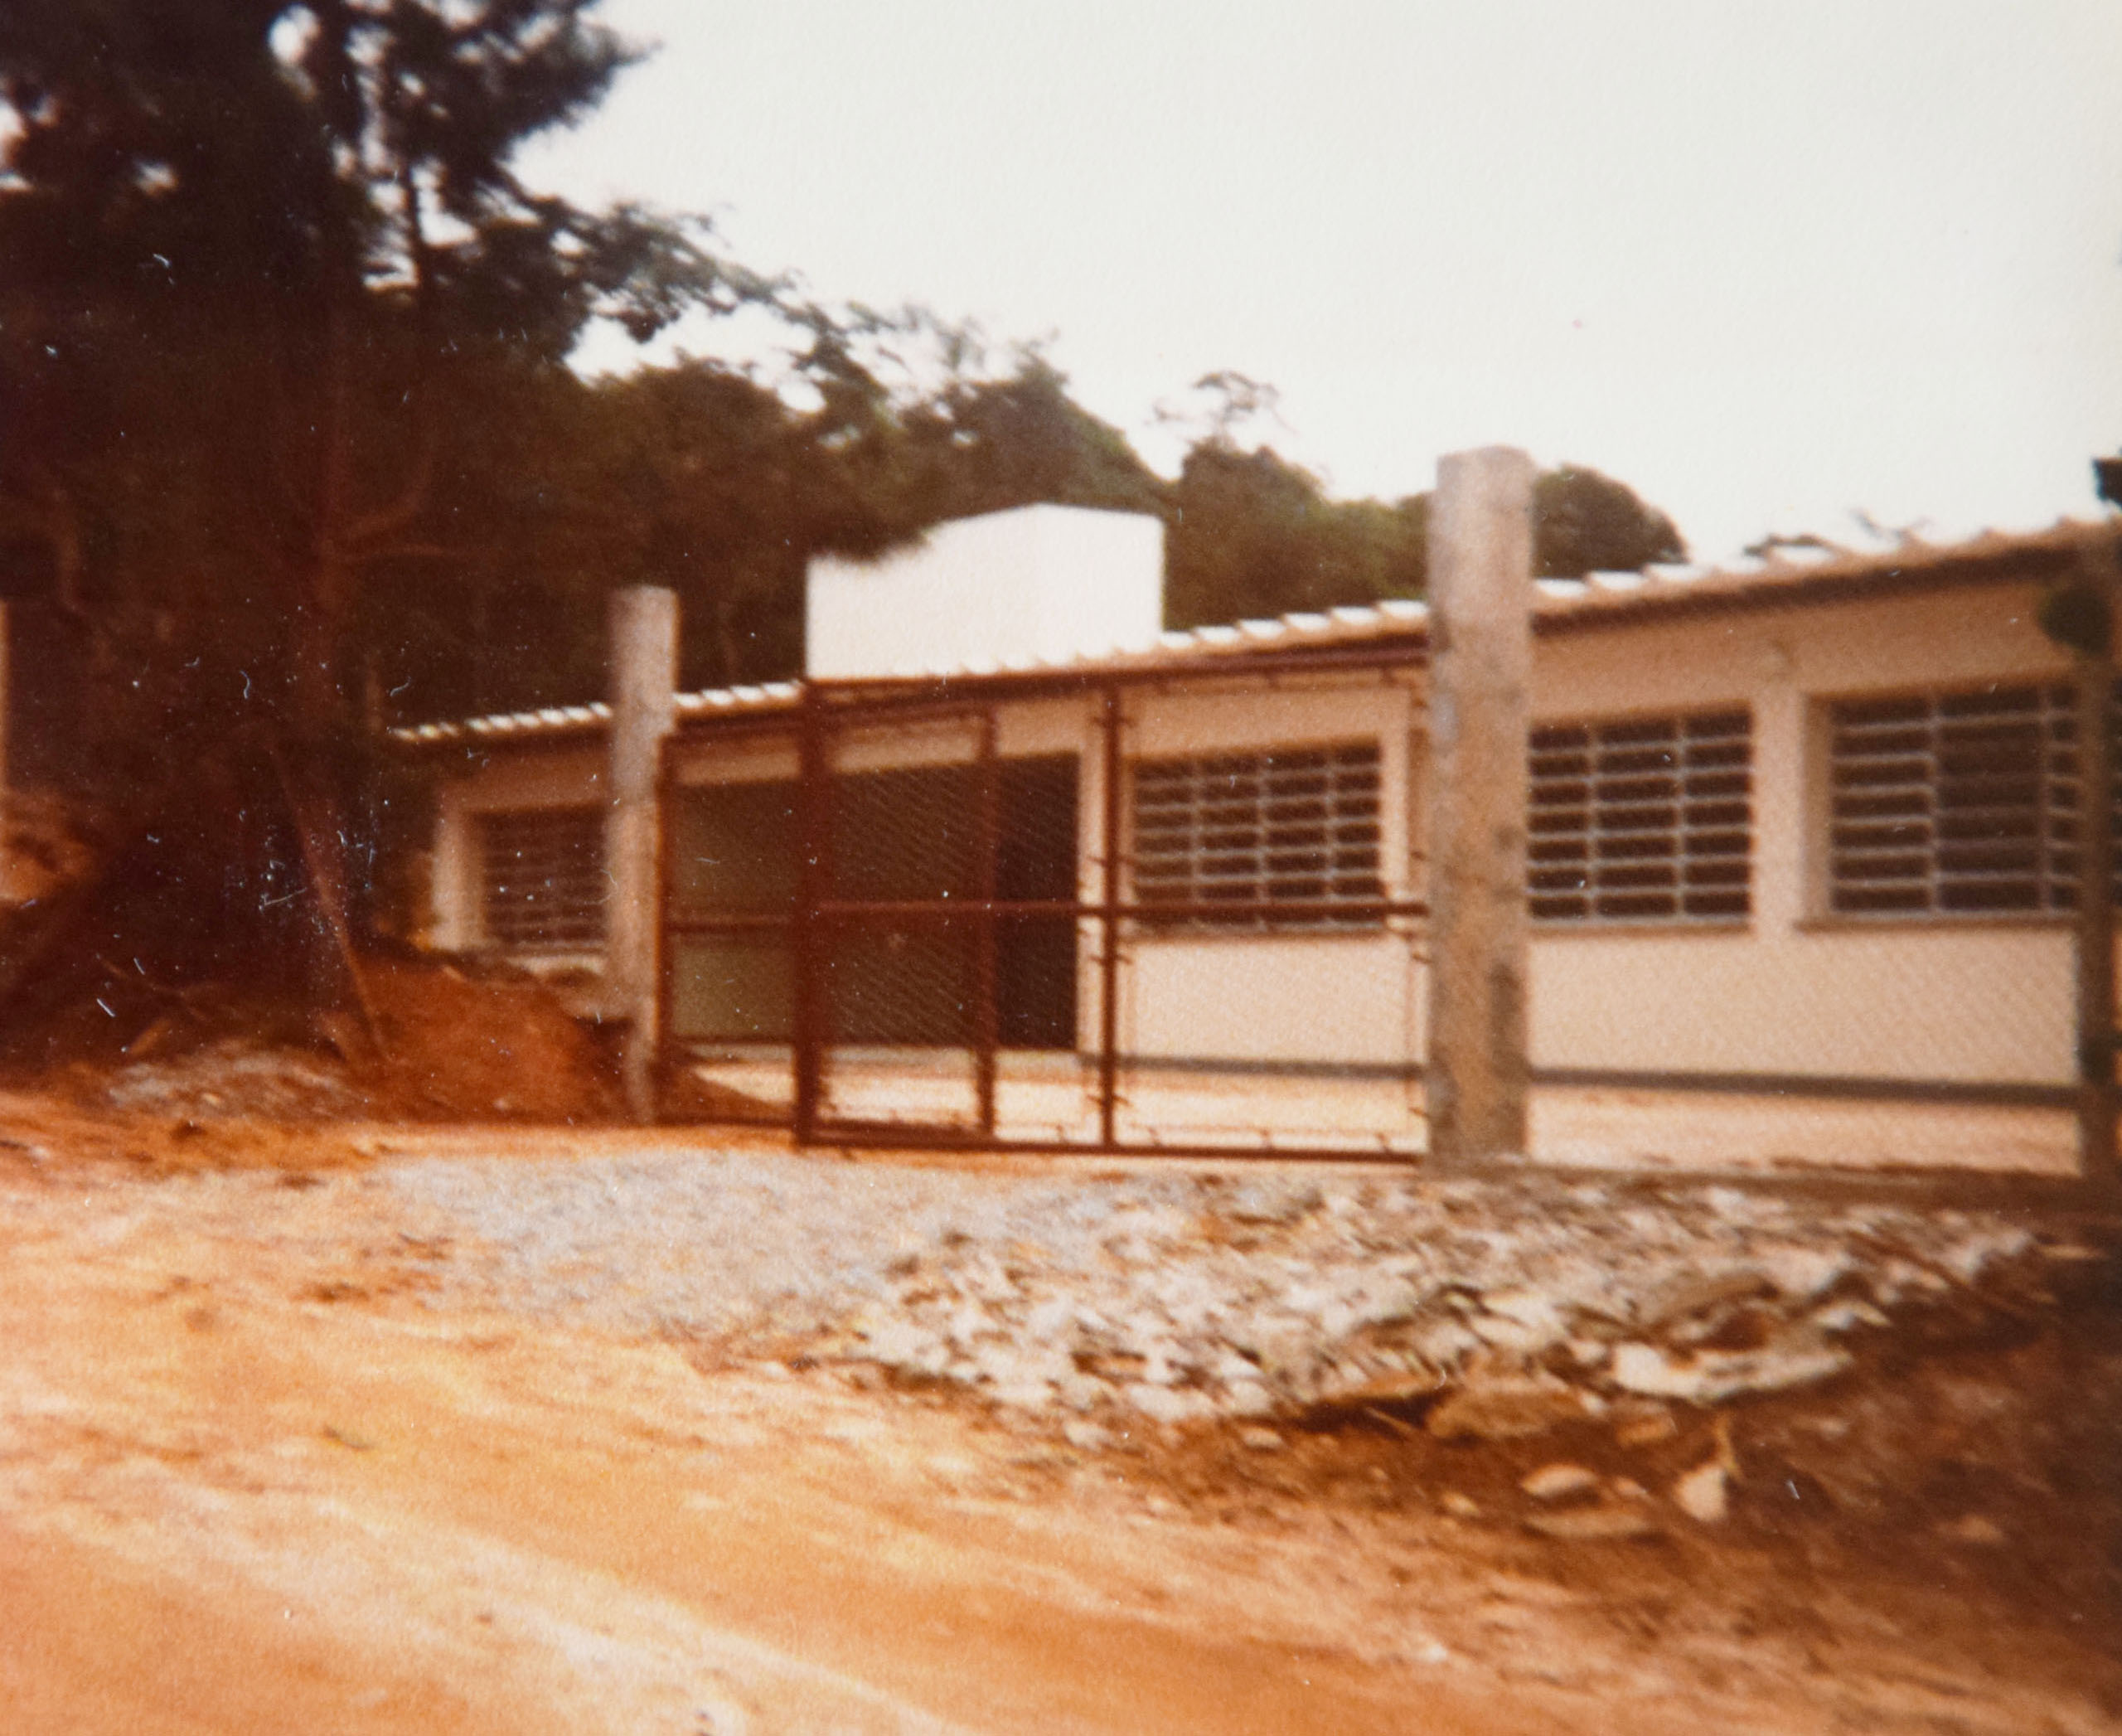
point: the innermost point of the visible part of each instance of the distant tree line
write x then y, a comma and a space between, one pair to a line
290, 448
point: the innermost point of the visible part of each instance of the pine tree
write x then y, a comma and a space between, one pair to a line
264, 264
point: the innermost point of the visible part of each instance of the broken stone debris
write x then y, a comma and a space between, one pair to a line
1110, 1308
1710, 1377
1973, 1528
1559, 1482
1600, 1523
1704, 1493
1509, 1407
1493, 1313
1647, 1430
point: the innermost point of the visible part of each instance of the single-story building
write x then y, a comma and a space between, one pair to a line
1013, 863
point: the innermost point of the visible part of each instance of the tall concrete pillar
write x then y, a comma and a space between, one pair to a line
644, 627
2095, 962
1480, 591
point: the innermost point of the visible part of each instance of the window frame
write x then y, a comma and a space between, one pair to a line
1354, 804
498, 930
2054, 809
1704, 891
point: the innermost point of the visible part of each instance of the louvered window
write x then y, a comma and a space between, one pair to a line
1645, 820
1954, 803
542, 879
1264, 829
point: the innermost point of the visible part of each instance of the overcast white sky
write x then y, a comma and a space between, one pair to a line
1766, 264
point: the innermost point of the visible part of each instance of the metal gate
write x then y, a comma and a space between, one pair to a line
937, 920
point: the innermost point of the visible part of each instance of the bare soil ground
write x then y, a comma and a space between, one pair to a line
263, 1466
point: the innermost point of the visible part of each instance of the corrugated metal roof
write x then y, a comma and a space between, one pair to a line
1785, 574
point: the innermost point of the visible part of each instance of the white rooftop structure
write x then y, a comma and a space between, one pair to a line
1037, 584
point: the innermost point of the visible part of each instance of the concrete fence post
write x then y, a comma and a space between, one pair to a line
644, 627
1480, 587
2095, 925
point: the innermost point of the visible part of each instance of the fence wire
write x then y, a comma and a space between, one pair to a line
928, 934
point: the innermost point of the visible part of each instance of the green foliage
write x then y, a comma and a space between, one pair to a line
1249, 534
702, 478
264, 267
986, 445
291, 439
1584, 522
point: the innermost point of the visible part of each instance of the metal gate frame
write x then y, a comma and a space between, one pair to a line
825, 711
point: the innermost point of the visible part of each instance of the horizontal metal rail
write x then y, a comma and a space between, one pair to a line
747, 922
1233, 909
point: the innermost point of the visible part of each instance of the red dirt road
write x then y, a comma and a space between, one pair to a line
242, 1490
246, 1515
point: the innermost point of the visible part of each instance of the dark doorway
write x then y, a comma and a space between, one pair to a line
1036, 860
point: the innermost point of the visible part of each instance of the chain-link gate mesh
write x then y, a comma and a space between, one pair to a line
1268, 951
1045, 950
1920, 1016
897, 972
732, 852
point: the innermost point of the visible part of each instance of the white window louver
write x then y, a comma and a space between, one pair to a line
1959, 803
1295, 825
1642, 820
542, 879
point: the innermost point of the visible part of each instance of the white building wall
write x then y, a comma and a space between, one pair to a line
1794, 991
736, 759
1798, 990
1318, 999
1350, 998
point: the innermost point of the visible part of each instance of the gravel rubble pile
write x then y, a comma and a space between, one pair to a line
1497, 1308
234, 1077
